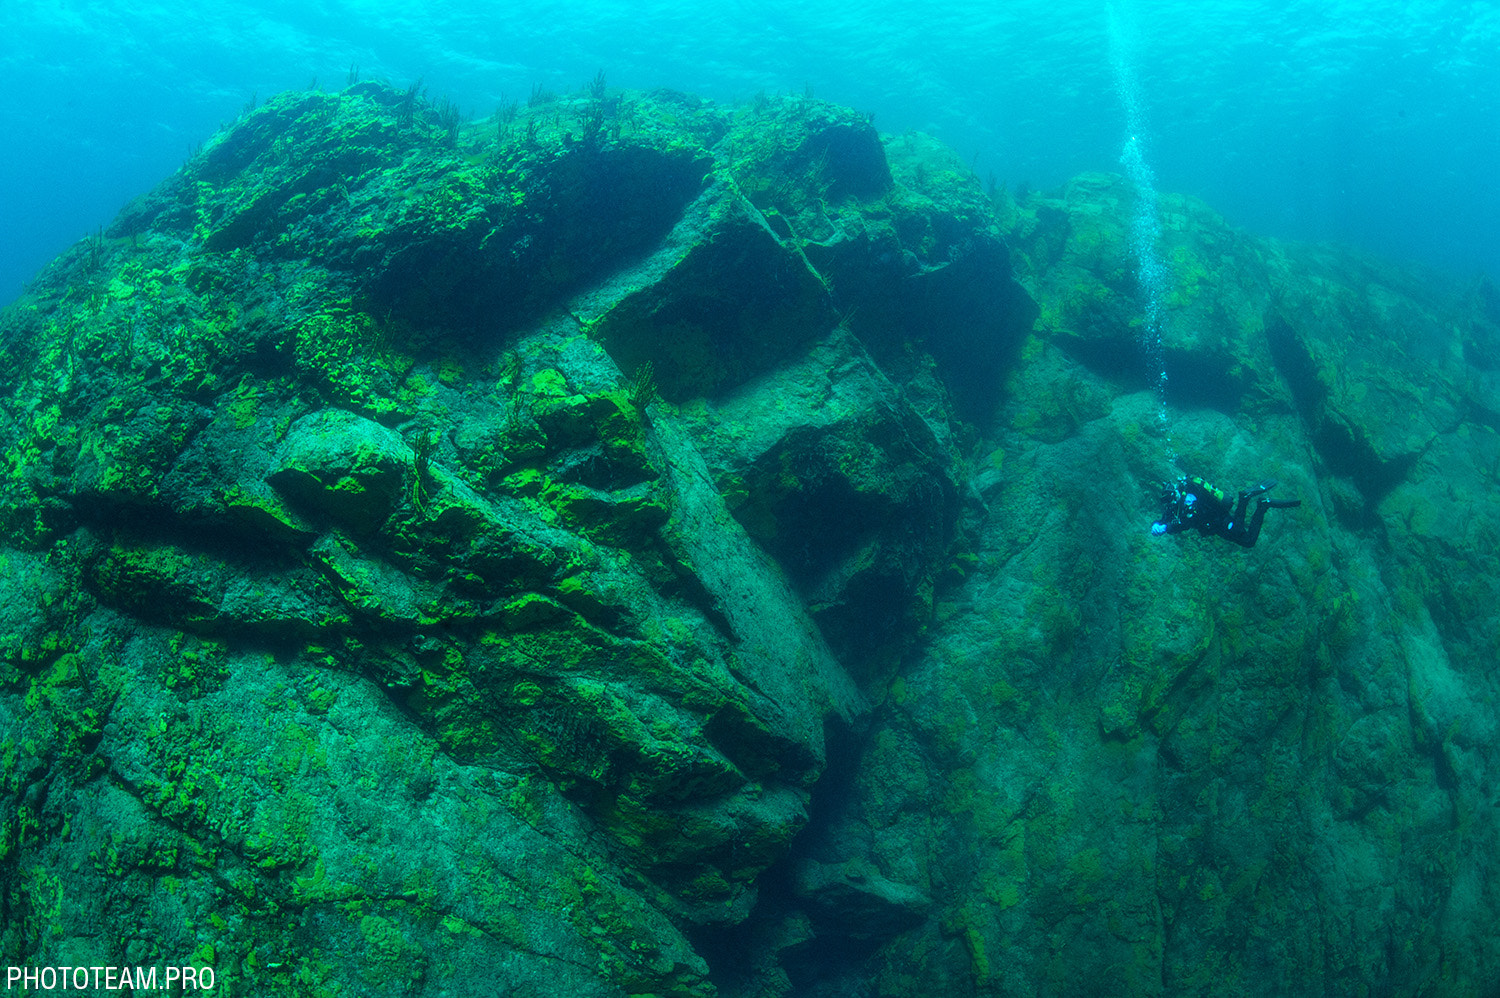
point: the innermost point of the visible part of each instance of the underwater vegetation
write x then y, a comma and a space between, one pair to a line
637, 546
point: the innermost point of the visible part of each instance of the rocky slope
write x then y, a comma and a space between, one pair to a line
633, 546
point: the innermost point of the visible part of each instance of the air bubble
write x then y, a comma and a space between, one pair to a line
1145, 230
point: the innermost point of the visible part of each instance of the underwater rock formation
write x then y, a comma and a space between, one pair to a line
635, 546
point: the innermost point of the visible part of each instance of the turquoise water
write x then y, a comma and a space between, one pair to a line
1375, 123
1145, 224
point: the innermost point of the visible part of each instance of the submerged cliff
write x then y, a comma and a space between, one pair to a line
634, 546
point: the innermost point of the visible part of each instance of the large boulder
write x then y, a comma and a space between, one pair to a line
356, 600
634, 546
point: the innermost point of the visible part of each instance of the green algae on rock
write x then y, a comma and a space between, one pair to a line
644, 547
344, 520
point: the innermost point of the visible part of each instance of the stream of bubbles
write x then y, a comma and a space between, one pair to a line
1145, 229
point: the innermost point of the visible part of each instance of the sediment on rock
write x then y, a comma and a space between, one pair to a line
637, 546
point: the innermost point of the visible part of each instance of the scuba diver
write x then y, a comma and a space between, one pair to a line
1192, 502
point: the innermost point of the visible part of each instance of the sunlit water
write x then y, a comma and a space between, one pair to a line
1373, 122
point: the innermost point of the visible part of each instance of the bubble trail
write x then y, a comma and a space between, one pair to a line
1145, 229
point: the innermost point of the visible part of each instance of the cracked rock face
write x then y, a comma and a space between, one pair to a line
644, 547
364, 607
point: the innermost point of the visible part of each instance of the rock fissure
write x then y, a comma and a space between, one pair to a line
640, 546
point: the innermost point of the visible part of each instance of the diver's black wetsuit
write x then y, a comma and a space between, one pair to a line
1192, 502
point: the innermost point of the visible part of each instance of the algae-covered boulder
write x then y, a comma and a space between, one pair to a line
1078, 253
633, 546
1377, 370
670, 311
357, 602
837, 475
1156, 764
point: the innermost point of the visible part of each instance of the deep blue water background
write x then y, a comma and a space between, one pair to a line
1370, 122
